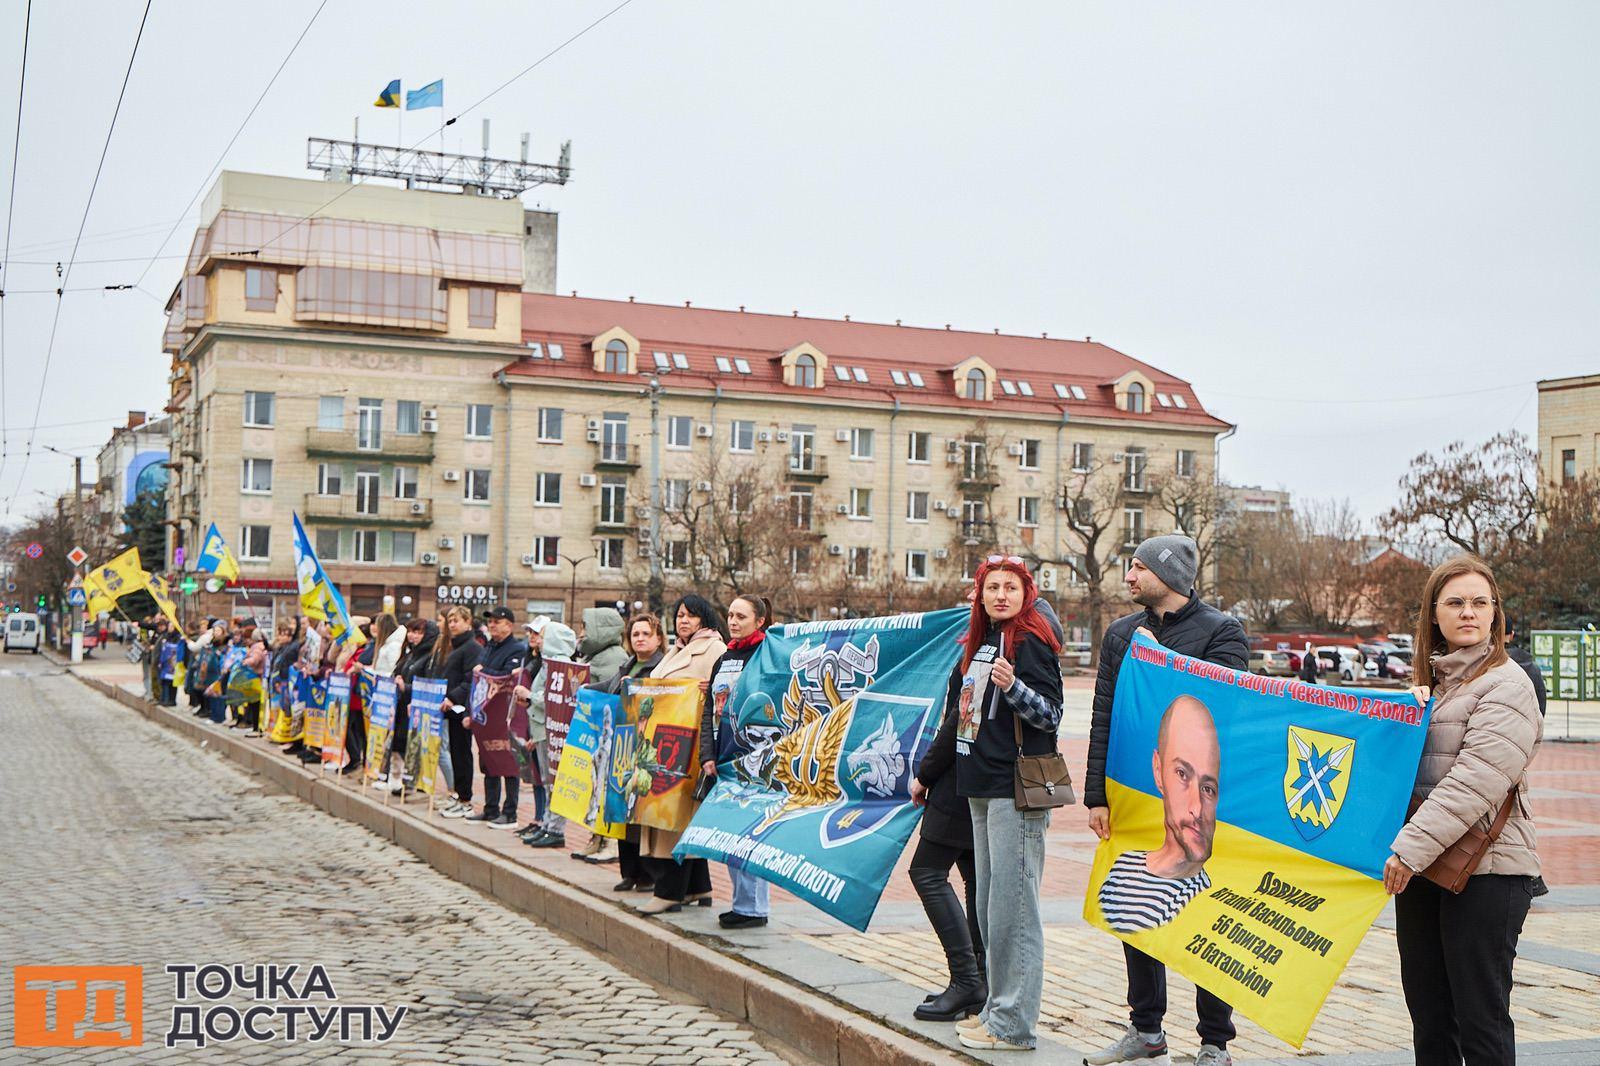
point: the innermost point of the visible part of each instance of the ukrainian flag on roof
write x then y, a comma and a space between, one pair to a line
390, 97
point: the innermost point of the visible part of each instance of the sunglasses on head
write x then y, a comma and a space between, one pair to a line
1016, 559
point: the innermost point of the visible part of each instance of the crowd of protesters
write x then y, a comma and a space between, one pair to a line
1004, 701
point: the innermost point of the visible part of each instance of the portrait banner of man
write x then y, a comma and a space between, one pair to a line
1250, 820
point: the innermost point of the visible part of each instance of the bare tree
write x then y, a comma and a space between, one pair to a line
1195, 506
1325, 572
1253, 551
1092, 501
1479, 498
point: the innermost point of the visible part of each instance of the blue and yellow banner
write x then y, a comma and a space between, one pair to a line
827, 723
215, 557
579, 791
319, 597
390, 96
427, 699
1250, 820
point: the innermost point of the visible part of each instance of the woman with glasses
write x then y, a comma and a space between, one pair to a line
1009, 679
1456, 950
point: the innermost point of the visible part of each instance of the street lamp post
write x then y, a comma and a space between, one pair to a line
572, 592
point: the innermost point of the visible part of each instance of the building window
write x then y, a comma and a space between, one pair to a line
739, 498
609, 553
724, 364
859, 562
546, 553
556, 351
1083, 511
1082, 457
475, 488
800, 559
1008, 387
918, 444
614, 438
257, 476
916, 565
547, 489
330, 412
663, 363
916, 379
1030, 455
613, 502
1183, 518
680, 431
916, 507
616, 357
255, 542
330, 479
1133, 464
977, 384
861, 443
475, 549
675, 493
1569, 464
260, 409
369, 424
802, 449
1025, 388
1185, 462
405, 482
805, 372
480, 308
260, 289
480, 421
860, 502
402, 547
408, 417
973, 524
328, 545
841, 371
742, 437
366, 546
1135, 398
550, 425
1027, 511
1133, 528
801, 507
675, 555
974, 460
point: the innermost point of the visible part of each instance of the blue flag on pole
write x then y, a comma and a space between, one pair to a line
816, 747
319, 597
430, 95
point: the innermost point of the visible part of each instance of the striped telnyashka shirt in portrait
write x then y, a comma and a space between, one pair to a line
1132, 898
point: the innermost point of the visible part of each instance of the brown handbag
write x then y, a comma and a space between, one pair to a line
1043, 781
1456, 863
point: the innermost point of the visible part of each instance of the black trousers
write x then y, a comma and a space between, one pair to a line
1147, 996
943, 857
460, 755
355, 737
1455, 966
678, 880
629, 864
491, 796
402, 726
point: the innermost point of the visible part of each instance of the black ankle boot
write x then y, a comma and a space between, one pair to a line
967, 990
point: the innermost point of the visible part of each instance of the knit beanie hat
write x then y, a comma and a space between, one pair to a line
1173, 558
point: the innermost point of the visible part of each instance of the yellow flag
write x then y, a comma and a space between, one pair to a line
162, 594
99, 601
120, 576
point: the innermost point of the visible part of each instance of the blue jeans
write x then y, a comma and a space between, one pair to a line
217, 707
1008, 846
751, 895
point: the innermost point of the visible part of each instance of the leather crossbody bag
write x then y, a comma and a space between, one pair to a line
1456, 863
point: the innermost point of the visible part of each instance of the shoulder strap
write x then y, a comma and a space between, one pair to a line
1504, 815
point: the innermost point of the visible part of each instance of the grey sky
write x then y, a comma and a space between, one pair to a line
1323, 217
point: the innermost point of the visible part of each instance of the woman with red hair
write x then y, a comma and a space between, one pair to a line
1009, 673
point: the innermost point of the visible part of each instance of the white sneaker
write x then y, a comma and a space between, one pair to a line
1131, 1047
396, 788
380, 781
455, 810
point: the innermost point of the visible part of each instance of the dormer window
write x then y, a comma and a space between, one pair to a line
977, 384
1135, 399
805, 372
616, 357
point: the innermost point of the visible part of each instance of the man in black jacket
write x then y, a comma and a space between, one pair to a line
1161, 581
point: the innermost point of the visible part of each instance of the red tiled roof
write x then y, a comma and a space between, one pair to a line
703, 334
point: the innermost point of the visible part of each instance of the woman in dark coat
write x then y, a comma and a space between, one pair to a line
453, 662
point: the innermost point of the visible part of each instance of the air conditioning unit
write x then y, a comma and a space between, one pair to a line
954, 512
1118, 457
593, 423
836, 549
941, 553
429, 558
641, 512
842, 436
593, 436
952, 458
644, 548
702, 430
782, 436
1014, 449
940, 505
430, 412
452, 475
702, 486
430, 425
952, 445
843, 508
780, 497
447, 543
418, 507
764, 437
1047, 578
528, 560
447, 571
587, 481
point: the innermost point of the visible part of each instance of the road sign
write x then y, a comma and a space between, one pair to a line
11, 586
77, 557
77, 597
34, 550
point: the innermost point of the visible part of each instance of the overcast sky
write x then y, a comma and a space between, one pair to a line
1361, 230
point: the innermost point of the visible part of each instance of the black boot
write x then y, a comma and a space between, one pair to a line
967, 990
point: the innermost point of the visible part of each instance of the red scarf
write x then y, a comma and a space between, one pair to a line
747, 642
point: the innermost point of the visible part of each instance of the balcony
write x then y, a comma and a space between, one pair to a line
614, 521
382, 512
348, 444
617, 457
814, 468
980, 531
979, 477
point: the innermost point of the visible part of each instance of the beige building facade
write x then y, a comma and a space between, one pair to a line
1569, 428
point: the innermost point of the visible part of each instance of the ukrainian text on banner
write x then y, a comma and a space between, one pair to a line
580, 786
380, 723
666, 717
829, 721
496, 716
427, 699
1250, 820
338, 719
316, 733
562, 680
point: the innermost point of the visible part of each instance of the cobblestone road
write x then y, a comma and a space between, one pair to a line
123, 844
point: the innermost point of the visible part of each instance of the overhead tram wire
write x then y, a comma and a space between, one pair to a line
448, 123
229, 146
11, 212
55, 321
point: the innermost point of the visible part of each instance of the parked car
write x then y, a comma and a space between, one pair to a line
1076, 652
23, 633
1271, 661
1346, 664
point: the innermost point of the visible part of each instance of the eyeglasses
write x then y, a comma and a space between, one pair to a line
1457, 605
1017, 559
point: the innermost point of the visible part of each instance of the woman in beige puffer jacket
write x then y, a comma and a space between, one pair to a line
1457, 950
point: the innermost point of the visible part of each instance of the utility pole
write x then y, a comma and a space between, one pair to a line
75, 613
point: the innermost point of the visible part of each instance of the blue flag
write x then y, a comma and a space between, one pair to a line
817, 745
319, 597
430, 95
390, 97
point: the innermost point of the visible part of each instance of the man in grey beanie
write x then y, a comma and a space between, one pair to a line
1160, 580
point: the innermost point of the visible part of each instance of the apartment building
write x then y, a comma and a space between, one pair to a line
1569, 428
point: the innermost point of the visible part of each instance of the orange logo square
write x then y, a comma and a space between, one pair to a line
78, 1006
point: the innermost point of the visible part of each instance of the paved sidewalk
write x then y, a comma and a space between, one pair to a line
886, 971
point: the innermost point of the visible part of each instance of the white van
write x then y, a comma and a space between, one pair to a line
23, 632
